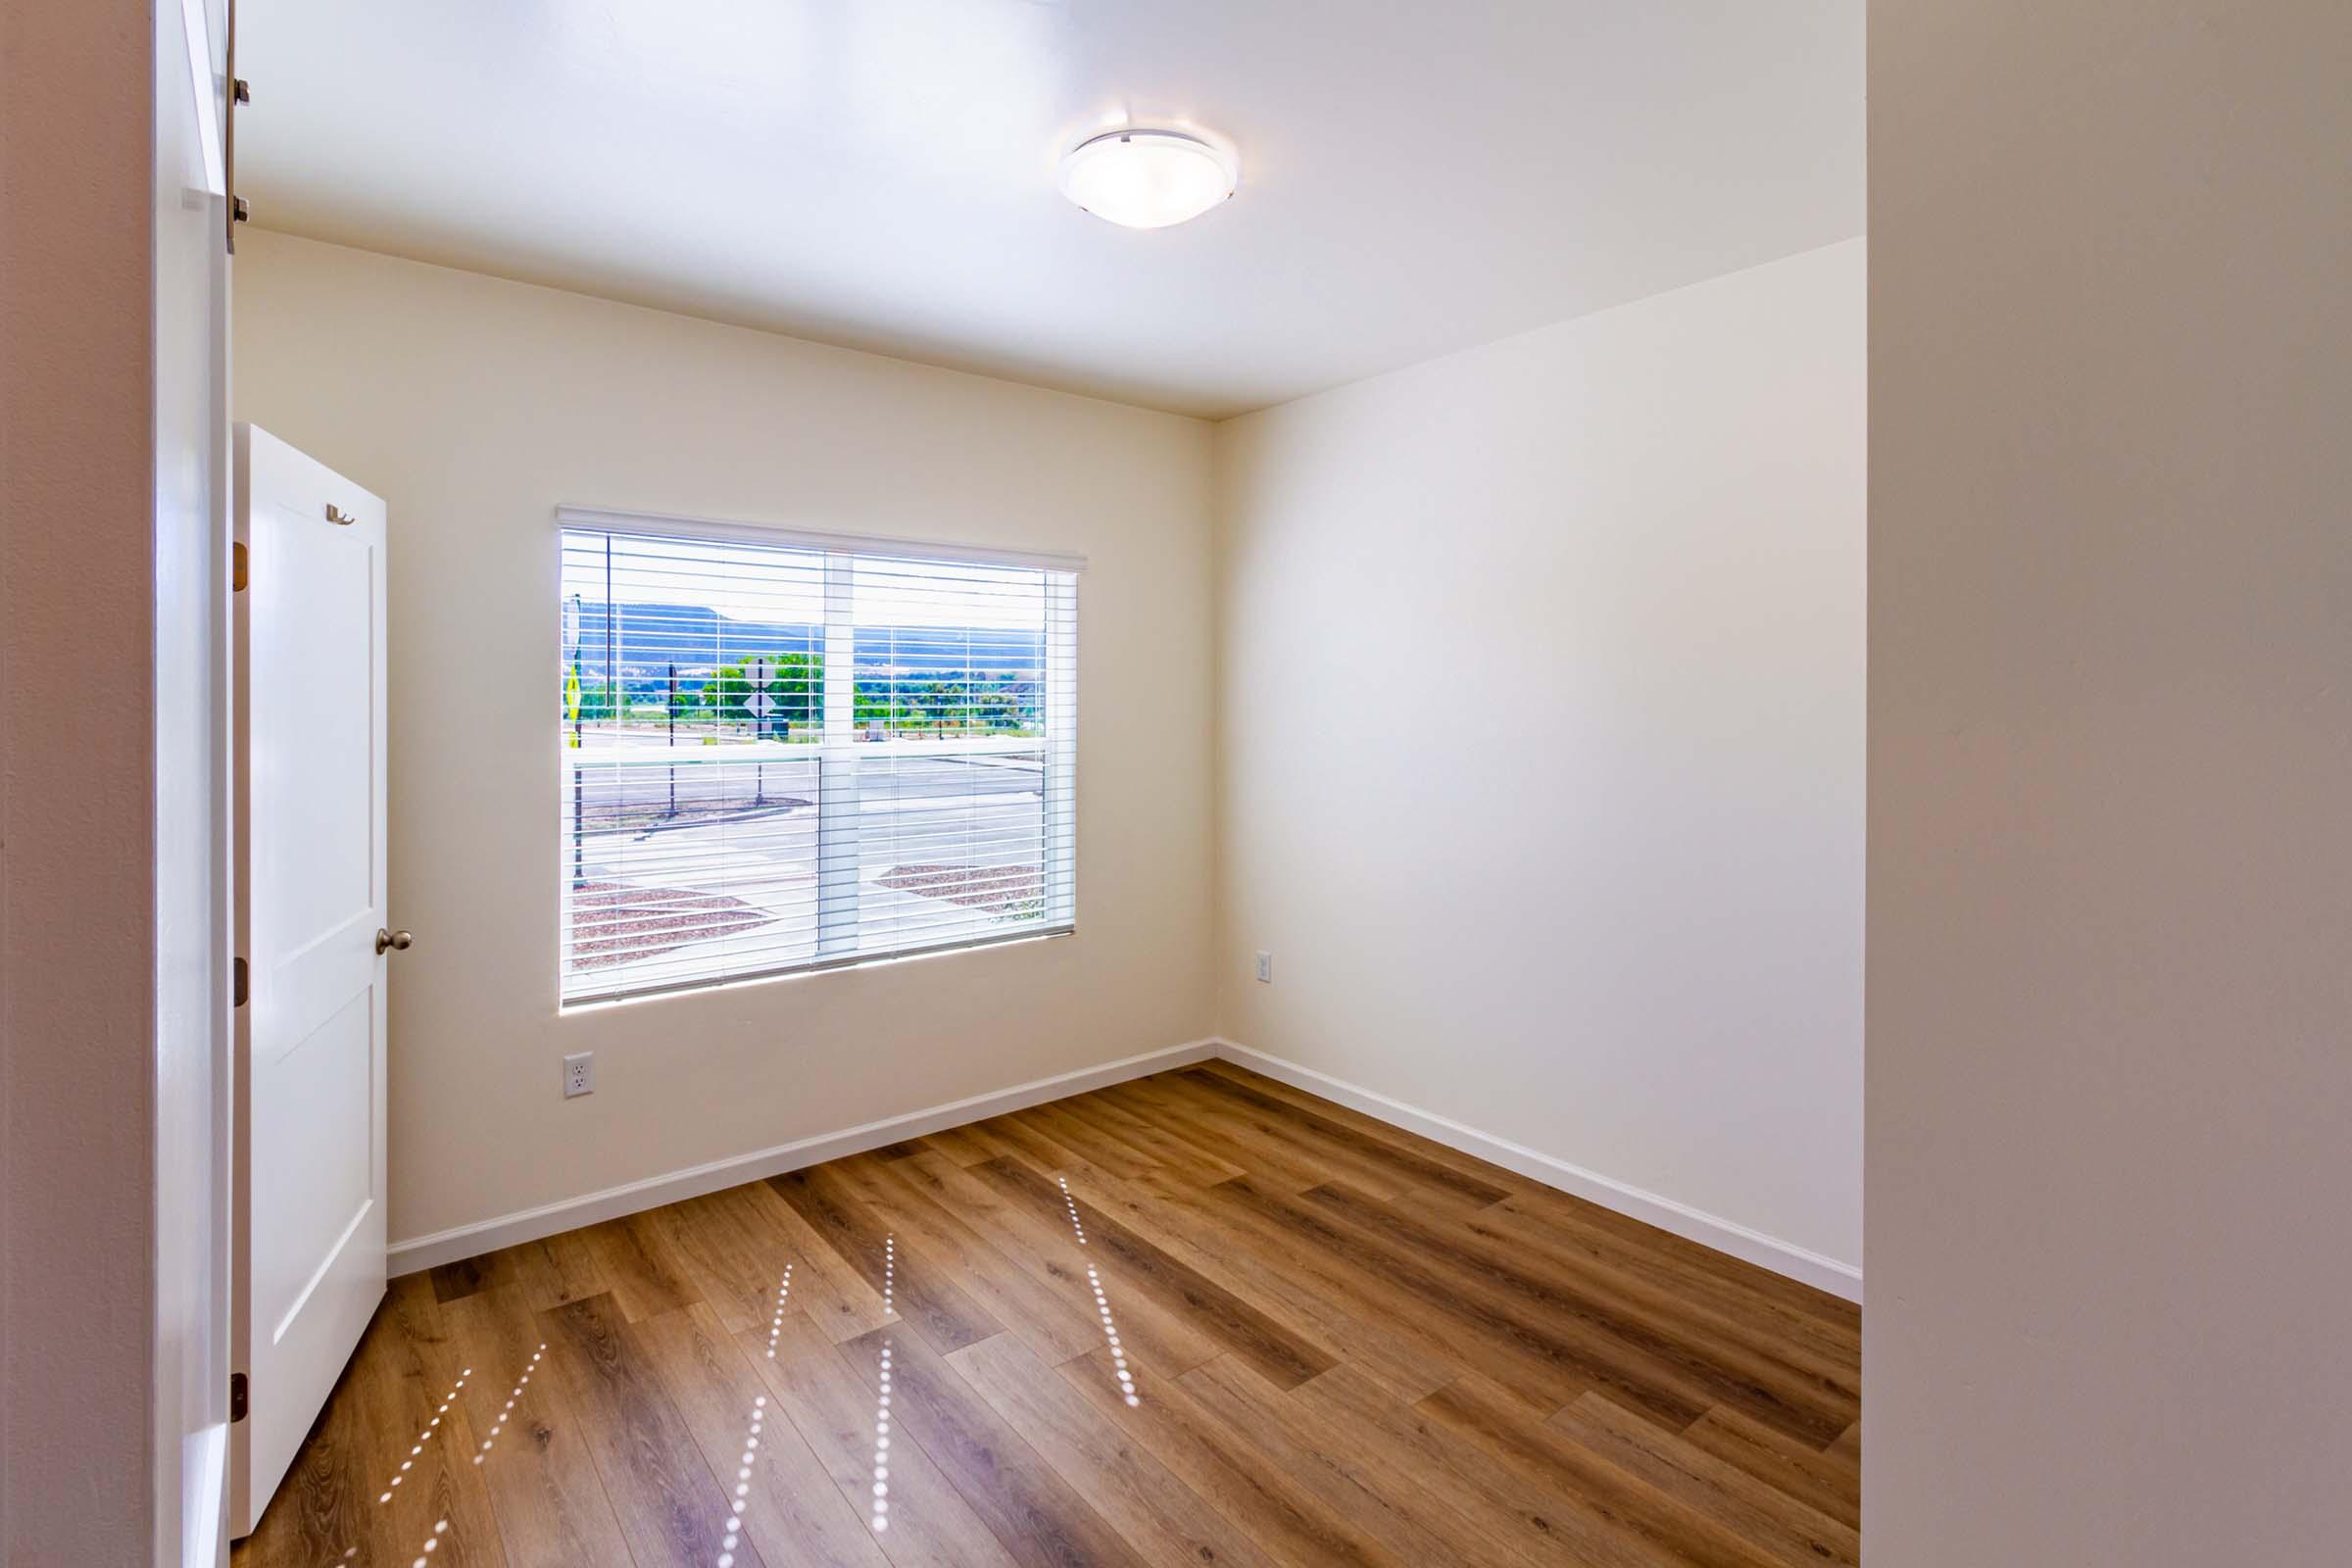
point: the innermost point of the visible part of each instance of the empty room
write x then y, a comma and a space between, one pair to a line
1026, 783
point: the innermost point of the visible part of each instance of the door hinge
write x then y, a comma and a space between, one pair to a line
237, 1397
238, 93
238, 983
236, 566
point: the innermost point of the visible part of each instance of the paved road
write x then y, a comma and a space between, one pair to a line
631, 794
748, 829
944, 812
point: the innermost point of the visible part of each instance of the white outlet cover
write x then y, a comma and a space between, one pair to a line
580, 1075
1265, 967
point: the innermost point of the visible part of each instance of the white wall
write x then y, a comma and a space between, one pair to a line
473, 407
1540, 706
2110, 1019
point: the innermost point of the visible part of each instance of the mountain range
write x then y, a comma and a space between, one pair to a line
643, 640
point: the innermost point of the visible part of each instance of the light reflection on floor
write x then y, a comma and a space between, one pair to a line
743, 1481
775, 1327
424, 1438
1110, 1329
513, 1394
879, 1515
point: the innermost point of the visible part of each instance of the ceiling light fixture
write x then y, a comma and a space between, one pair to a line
1147, 178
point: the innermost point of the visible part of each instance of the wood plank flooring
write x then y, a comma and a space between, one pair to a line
1336, 1343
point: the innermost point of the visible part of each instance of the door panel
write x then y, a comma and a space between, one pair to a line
311, 666
321, 1181
311, 1130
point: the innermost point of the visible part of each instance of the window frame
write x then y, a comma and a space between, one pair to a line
839, 752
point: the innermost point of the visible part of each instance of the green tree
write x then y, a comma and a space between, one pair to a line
595, 702
1000, 707
797, 682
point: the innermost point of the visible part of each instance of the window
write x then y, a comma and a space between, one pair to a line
788, 751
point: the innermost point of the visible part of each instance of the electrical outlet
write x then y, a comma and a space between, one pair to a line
1266, 968
580, 1075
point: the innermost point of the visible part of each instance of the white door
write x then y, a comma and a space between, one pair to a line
191, 729
310, 1200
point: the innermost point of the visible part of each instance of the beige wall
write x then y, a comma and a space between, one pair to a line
1662, 519
473, 407
2110, 975
1541, 705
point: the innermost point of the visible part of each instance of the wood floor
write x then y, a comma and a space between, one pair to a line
1345, 1345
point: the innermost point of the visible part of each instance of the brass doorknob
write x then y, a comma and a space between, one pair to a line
393, 941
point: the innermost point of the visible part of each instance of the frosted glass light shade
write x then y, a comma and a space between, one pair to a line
1146, 178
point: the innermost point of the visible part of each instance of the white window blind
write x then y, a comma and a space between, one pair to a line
784, 753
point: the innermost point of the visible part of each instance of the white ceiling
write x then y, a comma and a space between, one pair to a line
1415, 177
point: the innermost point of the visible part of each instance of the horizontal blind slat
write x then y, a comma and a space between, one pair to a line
902, 784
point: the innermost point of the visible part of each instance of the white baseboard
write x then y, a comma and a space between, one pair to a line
1708, 1229
549, 1219
1692, 1224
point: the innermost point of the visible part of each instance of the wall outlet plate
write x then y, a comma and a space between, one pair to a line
580, 1075
1266, 968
